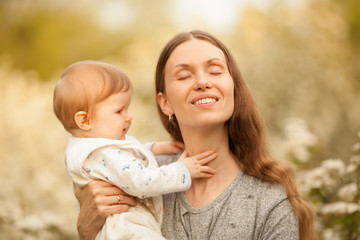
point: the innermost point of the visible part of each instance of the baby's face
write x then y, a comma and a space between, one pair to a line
111, 119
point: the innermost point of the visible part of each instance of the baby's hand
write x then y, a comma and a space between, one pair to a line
169, 147
196, 164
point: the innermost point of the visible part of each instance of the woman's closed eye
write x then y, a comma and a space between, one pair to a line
215, 70
183, 75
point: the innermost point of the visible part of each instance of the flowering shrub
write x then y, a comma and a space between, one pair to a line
333, 187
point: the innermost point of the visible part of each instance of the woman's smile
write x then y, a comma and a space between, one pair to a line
205, 100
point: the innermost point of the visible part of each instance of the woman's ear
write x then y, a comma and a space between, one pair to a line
82, 120
164, 104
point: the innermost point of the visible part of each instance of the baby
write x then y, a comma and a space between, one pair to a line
91, 100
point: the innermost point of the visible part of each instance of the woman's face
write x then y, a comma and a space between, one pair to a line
199, 88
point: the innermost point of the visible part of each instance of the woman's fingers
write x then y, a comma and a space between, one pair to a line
113, 195
104, 195
122, 200
98, 200
113, 209
116, 204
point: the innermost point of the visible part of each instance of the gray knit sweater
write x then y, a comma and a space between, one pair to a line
248, 209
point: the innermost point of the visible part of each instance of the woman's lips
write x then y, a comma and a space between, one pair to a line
204, 99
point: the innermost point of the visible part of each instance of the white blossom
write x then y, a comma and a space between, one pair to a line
31, 222
330, 233
325, 176
296, 130
355, 160
340, 208
356, 146
298, 139
334, 166
354, 164
39, 221
348, 192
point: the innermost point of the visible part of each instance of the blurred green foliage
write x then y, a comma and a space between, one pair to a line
47, 36
46, 39
352, 9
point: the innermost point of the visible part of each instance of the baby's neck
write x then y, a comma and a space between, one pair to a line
79, 133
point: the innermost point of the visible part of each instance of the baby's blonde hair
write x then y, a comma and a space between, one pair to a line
82, 85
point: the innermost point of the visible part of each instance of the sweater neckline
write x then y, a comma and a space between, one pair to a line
187, 207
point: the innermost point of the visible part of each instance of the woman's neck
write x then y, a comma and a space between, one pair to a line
215, 139
204, 190
199, 140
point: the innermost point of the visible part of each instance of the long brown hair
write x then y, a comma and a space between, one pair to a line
246, 132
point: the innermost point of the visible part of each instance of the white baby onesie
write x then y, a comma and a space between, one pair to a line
131, 167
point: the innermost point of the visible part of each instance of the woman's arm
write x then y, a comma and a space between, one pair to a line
98, 200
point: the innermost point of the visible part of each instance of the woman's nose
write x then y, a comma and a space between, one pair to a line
202, 82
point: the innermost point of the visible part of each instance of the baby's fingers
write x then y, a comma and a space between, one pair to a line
203, 155
207, 169
205, 172
205, 175
207, 158
184, 154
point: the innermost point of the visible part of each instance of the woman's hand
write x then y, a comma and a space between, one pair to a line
98, 200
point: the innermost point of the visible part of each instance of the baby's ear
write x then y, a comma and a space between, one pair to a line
82, 120
164, 104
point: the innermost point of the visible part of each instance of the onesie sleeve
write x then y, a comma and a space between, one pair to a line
124, 169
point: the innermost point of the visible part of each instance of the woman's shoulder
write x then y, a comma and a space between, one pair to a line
274, 212
264, 192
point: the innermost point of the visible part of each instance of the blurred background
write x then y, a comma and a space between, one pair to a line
300, 59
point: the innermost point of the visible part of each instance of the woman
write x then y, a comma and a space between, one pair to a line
205, 103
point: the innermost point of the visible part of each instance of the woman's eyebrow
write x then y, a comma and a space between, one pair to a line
184, 65
181, 65
215, 60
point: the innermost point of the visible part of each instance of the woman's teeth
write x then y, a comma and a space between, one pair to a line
205, 100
